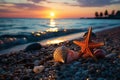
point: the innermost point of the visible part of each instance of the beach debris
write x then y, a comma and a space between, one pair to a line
64, 55
38, 69
33, 46
87, 45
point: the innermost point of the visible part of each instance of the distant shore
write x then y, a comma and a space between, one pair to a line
107, 18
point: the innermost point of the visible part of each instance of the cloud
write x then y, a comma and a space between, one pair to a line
96, 3
29, 6
4, 10
16, 7
36, 1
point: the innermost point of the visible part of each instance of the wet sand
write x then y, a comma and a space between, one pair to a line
49, 41
19, 65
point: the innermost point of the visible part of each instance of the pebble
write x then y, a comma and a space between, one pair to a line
101, 78
33, 46
36, 62
111, 55
28, 70
38, 69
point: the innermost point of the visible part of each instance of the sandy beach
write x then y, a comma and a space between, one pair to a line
19, 65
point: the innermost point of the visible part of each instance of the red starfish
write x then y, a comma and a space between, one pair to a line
87, 44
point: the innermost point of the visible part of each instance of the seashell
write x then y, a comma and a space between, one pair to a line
60, 54
38, 69
99, 53
64, 55
72, 55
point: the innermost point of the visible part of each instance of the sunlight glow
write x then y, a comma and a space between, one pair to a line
52, 30
54, 41
52, 14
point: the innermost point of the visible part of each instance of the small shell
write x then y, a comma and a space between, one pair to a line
99, 53
60, 54
38, 69
72, 55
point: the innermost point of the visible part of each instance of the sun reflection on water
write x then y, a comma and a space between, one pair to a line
52, 25
52, 30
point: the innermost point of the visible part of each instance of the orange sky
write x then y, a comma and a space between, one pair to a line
62, 8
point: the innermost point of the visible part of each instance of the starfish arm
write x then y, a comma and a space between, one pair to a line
88, 35
95, 45
90, 53
79, 43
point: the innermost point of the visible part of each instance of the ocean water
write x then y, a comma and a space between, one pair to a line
24, 26
15, 32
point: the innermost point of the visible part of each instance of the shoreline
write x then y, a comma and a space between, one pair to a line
19, 65
50, 41
11, 40
55, 40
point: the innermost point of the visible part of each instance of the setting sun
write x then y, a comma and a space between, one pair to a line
52, 14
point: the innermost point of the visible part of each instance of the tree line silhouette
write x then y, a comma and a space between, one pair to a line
105, 15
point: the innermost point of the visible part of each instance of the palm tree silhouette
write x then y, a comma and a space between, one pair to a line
101, 14
106, 13
96, 14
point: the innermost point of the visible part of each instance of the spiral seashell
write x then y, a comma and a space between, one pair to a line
60, 54
65, 55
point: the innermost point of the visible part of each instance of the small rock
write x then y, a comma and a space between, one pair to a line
111, 55
28, 70
77, 74
16, 78
38, 69
34, 46
56, 64
76, 63
101, 78
26, 77
36, 62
